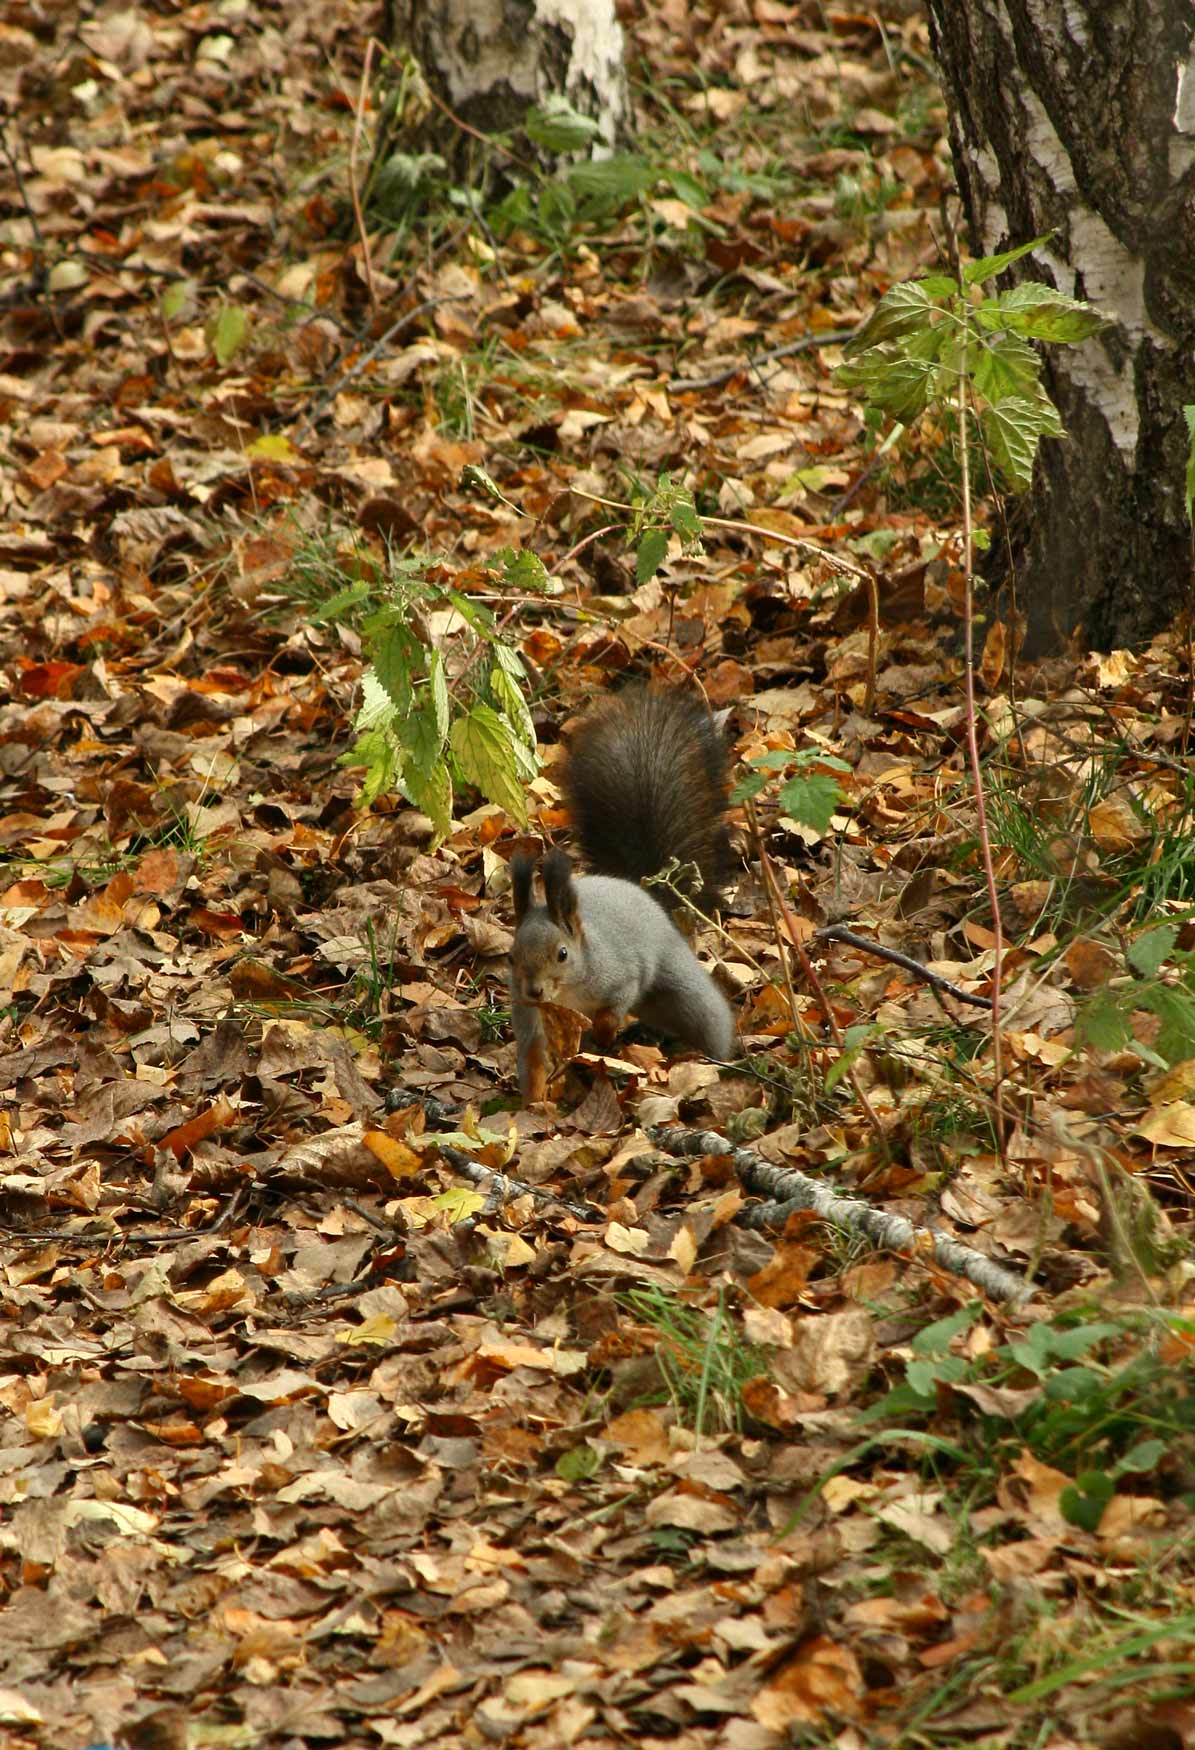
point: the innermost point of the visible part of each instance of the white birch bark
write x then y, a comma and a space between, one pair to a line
1077, 117
491, 60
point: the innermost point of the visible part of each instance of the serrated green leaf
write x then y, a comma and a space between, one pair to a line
509, 696
748, 786
227, 331
682, 514
431, 791
687, 188
343, 602
377, 753
1012, 429
1140, 1459
483, 745
939, 288
438, 693
398, 656
377, 707
897, 385
420, 737
510, 662
578, 1464
558, 127
1040, 313
1189, 492
817, 756
855, 1042
1085, 1507
474, 614
1003, 366
1175, 1009
975, 273
905, 309
524, 571
475, 478
937, 1337
620, 178
1150, 952
557, 207
1102, 1024
650, 553
812, 799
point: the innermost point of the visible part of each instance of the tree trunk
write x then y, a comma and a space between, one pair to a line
490, 61
1077, 117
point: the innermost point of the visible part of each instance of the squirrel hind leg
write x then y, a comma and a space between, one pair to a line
696, 1014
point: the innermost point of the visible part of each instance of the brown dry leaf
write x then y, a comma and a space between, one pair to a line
1168, 1126
821, 1679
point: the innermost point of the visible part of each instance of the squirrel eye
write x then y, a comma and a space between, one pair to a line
562, 952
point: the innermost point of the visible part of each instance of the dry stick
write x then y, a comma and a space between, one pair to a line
15, 167
834, 559
855, 488
788, 1189
501, 1188
831, 337
586, 541
798, 1019
1190, 649
873, 642
367, 358
354, 191
717, 522
171, 1236
981, 813
498, 1185
815, 983
793, 1190
840, 933
486, 139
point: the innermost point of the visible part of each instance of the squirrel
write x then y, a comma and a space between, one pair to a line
646, 785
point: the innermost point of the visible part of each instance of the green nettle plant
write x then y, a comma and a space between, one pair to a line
419, 731
810, 794
657, 515
940, 343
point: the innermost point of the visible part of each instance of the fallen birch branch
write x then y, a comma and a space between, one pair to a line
792, 1190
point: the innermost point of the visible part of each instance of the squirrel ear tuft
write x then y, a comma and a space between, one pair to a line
559, 892
522, 875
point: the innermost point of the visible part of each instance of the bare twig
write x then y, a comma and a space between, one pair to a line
717, 522
981, 814
793, 1190
832, 337
316, 413
815, 984
839, 933
354, 190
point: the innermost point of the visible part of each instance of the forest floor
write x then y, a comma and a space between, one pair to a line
309, 1437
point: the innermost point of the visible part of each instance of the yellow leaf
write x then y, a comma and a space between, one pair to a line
1171, 1126
399, 1161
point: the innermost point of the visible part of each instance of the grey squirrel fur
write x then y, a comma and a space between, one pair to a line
646, 784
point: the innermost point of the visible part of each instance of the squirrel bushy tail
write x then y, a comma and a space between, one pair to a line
645, 782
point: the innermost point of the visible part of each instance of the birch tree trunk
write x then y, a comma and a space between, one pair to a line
490, 61
1077, 117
